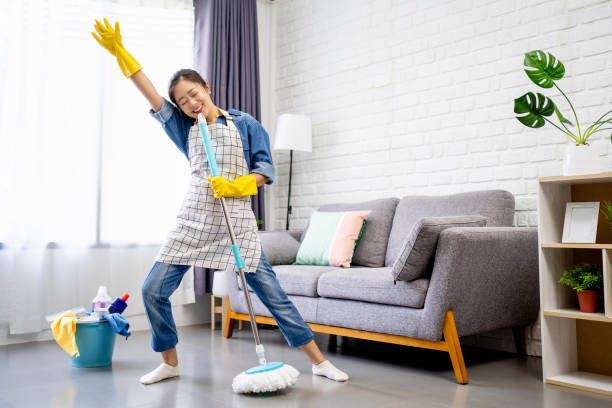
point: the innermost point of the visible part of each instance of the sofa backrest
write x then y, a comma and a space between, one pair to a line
497, 206
373, 243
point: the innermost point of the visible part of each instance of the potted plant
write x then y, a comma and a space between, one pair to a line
533, 109
586, 280
607, 212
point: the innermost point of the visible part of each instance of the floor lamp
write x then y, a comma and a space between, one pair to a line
293, 132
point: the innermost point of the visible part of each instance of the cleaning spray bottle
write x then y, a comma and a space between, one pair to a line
119, 305
102, 299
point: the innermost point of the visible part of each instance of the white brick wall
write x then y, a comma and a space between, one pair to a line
416, 97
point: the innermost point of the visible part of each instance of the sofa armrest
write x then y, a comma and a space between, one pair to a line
488, 277
280, 247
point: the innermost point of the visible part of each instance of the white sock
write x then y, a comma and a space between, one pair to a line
327, 369
160, 373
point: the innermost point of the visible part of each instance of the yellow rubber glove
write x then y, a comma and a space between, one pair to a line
111, 41
239, 187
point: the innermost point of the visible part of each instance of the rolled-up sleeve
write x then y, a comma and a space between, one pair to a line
261, 157
175, 123
165, 113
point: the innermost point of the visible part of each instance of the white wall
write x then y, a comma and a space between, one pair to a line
416, 97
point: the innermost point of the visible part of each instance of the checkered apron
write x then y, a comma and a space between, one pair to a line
200, 237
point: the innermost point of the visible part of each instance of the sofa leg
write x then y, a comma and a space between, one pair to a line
333, 342
454, 348
228, 326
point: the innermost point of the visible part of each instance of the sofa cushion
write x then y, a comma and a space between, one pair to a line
331, 238
280, 247
373, 243
417, 255
497, 206
298, 279
374, 285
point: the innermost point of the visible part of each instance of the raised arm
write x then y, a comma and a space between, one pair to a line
145, 86
110, 39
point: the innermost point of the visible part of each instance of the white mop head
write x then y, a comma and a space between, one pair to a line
267, 378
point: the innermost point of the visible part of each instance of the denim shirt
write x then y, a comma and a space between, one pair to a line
255, 139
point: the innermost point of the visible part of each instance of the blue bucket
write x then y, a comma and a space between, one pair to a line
96, 342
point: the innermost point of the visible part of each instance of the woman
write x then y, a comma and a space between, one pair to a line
200, 237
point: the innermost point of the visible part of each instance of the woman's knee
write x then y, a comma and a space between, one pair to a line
274, 296
151, 288
264, 286
150, 292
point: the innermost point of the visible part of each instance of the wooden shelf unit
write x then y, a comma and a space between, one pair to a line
576, 346
578, 246
582, 380
578, 315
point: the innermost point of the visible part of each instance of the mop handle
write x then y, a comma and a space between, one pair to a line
239, 261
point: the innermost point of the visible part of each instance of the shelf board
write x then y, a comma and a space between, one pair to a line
582, 380
576, 246
577, 314
582, 179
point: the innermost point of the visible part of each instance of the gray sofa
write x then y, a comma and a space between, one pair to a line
477, 279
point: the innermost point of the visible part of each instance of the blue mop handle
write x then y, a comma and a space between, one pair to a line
212, 160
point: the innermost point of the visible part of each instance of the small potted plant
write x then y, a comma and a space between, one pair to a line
586, 280
607, 212
533, 109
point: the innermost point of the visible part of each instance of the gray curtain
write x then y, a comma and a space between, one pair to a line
226, 52
227, 56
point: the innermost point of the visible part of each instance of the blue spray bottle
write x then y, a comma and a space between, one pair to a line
119, 305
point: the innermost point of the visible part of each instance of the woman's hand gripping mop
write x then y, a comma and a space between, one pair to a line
266, 377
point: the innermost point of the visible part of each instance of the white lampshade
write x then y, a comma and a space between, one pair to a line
293, 132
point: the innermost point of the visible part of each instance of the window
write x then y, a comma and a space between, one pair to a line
81, 160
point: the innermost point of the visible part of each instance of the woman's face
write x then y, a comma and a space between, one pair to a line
192, 98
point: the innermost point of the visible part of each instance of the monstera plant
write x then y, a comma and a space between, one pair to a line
533, 109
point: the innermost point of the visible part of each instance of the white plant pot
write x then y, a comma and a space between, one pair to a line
581, 159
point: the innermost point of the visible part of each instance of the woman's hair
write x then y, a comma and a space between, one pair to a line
186, 74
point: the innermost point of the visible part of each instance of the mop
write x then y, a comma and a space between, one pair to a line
266, 377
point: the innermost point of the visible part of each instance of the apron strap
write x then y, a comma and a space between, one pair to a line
226, 114
229, 119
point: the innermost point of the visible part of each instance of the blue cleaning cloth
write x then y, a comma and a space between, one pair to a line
118, 324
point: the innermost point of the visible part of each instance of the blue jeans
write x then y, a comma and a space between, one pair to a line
165, 278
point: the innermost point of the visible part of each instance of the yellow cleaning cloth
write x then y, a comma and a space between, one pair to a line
63, 329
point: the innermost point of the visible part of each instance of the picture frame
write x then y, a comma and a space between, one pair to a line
580, 224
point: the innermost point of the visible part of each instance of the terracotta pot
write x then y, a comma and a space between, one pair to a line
587, 300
